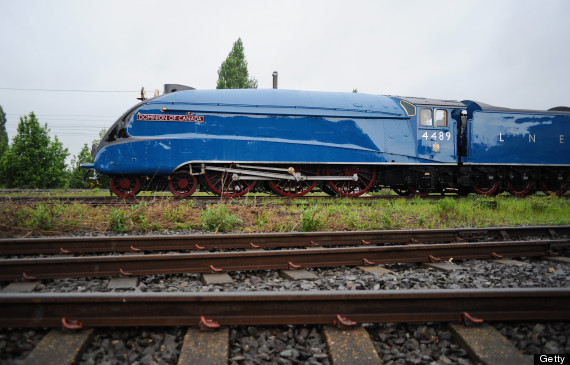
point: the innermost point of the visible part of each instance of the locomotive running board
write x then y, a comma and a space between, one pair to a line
263, 175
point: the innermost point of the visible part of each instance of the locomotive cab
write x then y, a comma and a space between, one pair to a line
437, 128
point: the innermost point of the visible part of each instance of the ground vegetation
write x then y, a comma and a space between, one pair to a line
243, 216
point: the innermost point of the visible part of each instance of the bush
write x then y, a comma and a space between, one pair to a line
446, 207
40, 218
218, 219
174, 214
310, 221
118, 221
354, 220
541, 204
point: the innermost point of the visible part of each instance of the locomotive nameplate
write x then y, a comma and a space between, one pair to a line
170, 118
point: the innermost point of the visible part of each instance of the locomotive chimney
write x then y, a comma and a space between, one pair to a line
275, 74
142, 95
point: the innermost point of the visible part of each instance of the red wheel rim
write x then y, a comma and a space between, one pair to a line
420, 192
182, 184
125, 186
293, 188
553, 190
486, 190
519, 191
221, 183
351, 188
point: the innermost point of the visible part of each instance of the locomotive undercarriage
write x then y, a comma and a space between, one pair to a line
288, 180
517, 180
234, 180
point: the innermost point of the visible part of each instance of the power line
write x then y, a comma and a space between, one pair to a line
76, 128
78, 134
65, 115
50, 120
71, 123
71, 90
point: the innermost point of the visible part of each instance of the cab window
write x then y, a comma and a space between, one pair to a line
431, 118
408, 107
426, 117
440, 118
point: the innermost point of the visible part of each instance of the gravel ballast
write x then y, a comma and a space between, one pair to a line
427, 343
476, 274
537, 338
16, 344
423, 343
284, 345
135, 346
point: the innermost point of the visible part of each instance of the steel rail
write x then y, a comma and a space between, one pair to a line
56, 245
201, 262
271, 308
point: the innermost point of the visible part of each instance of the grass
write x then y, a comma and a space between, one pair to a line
56, 218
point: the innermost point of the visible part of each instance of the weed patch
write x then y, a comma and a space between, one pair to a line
310, 220
39, 218
118, 221
218, 219
53, 217
174, 214
446, 207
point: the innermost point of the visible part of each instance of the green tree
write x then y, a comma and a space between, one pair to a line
233, 73
76, 174
3, 133
33, 160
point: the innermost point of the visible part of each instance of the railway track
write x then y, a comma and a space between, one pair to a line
336, 314
200, 254
190, 309
200, 242
204, 262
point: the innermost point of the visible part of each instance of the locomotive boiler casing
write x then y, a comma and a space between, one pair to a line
271, 127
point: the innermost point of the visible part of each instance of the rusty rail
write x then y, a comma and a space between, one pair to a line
55, 245
200, 262
262, 308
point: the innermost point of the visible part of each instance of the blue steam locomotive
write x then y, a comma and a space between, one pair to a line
231, 142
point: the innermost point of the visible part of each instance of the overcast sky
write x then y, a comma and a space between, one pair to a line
510, 53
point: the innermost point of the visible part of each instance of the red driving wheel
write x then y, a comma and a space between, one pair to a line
125, 186
351, 188
182, 184
519, 190
292, 188
486, 190
222, 183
